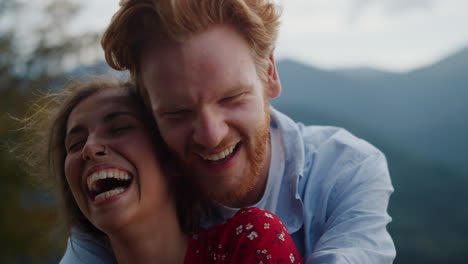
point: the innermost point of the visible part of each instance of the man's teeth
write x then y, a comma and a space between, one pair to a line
108, 194
219, 156
104, 174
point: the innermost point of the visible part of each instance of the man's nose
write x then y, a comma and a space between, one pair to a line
210, 129
93, 151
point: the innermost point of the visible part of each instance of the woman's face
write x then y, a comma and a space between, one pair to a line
111, 164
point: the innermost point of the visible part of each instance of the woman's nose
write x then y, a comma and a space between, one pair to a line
94, 151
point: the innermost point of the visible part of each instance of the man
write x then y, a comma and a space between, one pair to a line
207, 71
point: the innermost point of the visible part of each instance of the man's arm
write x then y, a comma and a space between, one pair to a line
355, 216
81, 249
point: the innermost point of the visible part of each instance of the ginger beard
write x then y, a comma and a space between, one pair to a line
255, 148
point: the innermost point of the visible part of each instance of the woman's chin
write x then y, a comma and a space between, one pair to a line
111, 227
114, 213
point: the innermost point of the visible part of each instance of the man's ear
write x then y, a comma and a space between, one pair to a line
273, 85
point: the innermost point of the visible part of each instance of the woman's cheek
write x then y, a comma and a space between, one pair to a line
73, 172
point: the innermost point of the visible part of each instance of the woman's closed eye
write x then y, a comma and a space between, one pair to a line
75, 145
117, 130
122, 123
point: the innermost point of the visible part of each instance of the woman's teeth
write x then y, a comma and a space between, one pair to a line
107, 183
108, 194
105, 174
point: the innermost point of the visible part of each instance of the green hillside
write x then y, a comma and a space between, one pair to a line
419, 120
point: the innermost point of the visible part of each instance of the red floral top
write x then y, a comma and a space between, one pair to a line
252, 236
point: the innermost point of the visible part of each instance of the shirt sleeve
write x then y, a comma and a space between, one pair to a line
354, 229
82, 249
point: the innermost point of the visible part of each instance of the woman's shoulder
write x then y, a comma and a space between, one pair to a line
252, 235
255, 214
256, 218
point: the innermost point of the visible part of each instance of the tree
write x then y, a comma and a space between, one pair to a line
27, 208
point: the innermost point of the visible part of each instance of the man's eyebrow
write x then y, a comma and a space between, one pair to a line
169, 106
241, 88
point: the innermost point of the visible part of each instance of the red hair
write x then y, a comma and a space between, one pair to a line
141, 21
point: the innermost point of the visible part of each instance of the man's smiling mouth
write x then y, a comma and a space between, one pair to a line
222, 156
107, 183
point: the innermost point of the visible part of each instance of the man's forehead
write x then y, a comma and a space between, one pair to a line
199, 69
217, 39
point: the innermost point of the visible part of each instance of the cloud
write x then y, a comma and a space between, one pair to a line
397, 6
390, 34
388, 7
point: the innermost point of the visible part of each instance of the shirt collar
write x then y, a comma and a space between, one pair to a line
290, 209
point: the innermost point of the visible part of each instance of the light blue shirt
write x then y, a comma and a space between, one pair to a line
330, 188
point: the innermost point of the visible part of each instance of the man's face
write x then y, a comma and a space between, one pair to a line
212, 110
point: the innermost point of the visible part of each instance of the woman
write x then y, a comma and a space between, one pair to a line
118, 185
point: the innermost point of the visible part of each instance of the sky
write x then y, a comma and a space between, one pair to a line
393, 35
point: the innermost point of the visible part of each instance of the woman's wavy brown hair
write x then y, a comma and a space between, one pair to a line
141, 21
42, 149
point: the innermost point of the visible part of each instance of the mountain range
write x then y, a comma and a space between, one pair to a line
419, 119
423, 112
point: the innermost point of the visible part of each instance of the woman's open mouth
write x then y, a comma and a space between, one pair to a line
106, 183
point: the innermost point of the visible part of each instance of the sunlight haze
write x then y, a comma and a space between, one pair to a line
394, 35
